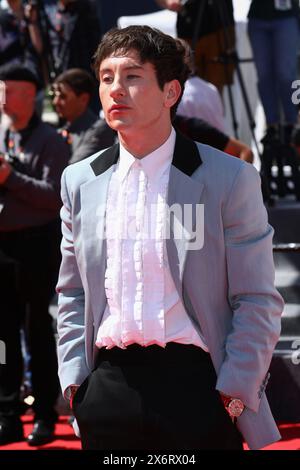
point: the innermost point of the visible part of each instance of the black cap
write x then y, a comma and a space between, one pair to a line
19, 72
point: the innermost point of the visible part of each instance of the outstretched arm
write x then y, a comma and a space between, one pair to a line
239, 149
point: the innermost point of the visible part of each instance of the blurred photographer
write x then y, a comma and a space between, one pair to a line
212, 36
71, 31
33, 158
20, 39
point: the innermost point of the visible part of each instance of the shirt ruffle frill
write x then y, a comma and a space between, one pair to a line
143, 305
109, 334
127, 233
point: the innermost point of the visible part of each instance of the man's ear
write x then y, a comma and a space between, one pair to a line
84, 98
172, 91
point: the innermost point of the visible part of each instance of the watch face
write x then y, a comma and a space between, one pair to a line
235, 408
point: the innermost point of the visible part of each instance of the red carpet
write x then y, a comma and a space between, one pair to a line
66, 440
65, 437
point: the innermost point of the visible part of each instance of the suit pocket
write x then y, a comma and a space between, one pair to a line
78, 398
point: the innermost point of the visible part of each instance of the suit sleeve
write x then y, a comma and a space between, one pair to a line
71, 299
256, 304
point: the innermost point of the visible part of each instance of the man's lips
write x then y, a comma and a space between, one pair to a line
118, 107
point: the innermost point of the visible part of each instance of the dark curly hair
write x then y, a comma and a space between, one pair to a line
166, 54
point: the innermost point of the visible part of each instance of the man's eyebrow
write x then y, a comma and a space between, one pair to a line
135, 66
129, 67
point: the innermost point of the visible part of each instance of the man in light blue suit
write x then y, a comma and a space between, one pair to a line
168, 314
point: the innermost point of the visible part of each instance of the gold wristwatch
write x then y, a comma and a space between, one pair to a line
233, 406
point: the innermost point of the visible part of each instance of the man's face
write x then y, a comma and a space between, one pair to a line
65, 101
130, 95
19, 99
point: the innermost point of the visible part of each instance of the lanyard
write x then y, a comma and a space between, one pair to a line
13, 147
15, 141
66, 135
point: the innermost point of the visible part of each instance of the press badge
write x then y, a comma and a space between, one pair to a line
283, 5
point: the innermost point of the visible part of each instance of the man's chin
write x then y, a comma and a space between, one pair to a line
118, 125
60, 115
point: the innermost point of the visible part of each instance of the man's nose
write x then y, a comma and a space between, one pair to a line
117, 88
55, 100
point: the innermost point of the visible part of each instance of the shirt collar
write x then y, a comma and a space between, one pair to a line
154, 164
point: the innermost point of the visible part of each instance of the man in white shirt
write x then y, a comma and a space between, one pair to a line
166, 326
202, 100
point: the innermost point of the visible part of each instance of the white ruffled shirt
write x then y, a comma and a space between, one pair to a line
143, 305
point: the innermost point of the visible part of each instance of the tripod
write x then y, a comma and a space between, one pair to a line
285, 156
221, 12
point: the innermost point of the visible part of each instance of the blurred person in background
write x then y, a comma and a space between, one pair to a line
200, 98
274, 35
201, 131
213, 38
200, 115
73, 34
83, 130
70, 31
20, 39
32, 160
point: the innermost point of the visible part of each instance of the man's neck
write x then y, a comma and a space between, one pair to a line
144, 144
76, 115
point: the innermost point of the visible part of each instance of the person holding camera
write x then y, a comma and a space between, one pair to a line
209, 27
33, 158
20, 39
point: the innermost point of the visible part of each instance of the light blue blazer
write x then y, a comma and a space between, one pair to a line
227, 285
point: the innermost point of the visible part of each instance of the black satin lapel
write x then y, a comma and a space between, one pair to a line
107, 158
186, 156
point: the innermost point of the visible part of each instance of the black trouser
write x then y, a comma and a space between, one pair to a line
28, 275
153, 399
